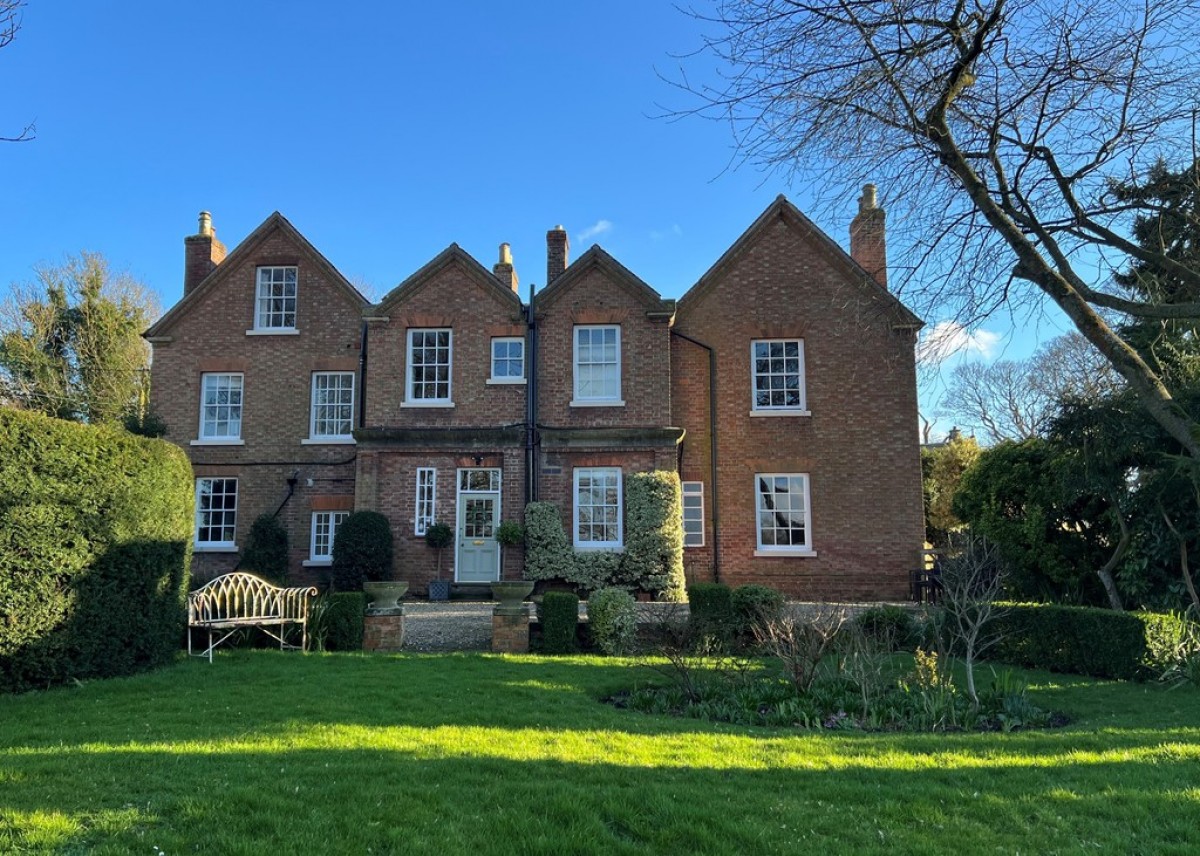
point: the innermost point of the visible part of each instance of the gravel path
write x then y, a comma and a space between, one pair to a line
450, 626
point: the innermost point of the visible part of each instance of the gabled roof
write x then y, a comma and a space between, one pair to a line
275, 223
596, 257
453, 254
784, 210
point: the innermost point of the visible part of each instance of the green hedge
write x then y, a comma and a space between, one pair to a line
653, 556
560, 622
711, 611
95, 546
1075, 639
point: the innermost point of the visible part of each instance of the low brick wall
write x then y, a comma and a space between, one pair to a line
383, 630
510, 630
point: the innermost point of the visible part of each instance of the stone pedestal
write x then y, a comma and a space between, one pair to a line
383, 629
510, 630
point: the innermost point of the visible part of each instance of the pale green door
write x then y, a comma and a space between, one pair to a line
478, 550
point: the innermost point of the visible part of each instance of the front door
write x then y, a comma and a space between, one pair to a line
478, 559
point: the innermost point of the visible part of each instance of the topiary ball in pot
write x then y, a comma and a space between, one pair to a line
362, 551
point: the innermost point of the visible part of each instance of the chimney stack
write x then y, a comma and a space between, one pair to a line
558, 249
202, 252
503, 269
868, 236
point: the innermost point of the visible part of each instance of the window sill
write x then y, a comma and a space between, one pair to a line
214, 548
600, 548
427, 404
781, 412
217, 443
611, 402
282, 331
505, 381
785, 554
316, 563
327, 441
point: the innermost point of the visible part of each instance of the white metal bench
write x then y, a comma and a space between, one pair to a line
233, 602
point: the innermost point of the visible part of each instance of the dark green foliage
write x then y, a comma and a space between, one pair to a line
336, 621
1074, 639
711, 607
95, 546
439, 536
147, 424
510, 533
266, 552
890, 627
362, 550
560, 618
754, 605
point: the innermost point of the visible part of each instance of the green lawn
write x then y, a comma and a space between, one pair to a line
283, 754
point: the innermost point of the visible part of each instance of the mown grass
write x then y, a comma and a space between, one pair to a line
264, 752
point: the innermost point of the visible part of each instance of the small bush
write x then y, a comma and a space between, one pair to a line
266, 552
336, 621
510, 533
560, 621
754, 606
1171, 641
892, 628
712, 618
362, 550
613, 619
1074, 639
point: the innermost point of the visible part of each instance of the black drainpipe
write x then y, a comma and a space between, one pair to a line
362, 378
712, 436
531, 378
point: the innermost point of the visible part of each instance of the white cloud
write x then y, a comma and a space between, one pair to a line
949, 338
597, 228
673, 232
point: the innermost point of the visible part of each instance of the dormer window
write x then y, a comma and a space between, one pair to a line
275, 306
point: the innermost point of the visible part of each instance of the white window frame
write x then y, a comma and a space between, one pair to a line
409, 399
426, 497
692, 489
800, 409
594, 400
761, 549
223, 545
335, 519
506, 379
263, 313
619, 543
314, 420
205, 439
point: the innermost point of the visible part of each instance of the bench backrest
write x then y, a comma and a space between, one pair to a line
242, 595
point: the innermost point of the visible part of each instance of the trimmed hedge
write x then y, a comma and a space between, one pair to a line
95, 547
266, 551
1079, 640
612, 617
560, 622
754, 605
711, 611
337, 621
889, 626
362, 550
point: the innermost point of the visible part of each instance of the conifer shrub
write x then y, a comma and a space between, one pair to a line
362, 550
612, 617
266, 551
560, 622
96, 530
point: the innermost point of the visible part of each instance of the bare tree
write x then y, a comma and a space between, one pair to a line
1016, 399
801, 641
10, 23
972, 580
999, 130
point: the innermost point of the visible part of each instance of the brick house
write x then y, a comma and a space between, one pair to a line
781, 387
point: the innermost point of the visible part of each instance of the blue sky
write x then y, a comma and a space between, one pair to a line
384, 131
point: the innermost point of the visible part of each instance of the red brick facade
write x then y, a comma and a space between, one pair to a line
645, 399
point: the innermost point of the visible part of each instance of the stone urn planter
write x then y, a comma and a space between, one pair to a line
510, 593
385, 594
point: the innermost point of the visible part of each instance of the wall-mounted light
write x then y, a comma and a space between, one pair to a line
478, 460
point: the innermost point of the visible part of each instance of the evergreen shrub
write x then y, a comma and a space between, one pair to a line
560, 622
711, 611
266, 551
1079, 640
96, 530
362, 550
754, 605
612, 617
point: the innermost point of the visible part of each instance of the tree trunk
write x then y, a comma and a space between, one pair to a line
1106, 573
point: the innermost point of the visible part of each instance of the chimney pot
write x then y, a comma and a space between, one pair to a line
868, 236
202, 252
503, 269
558, 249
505, 254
